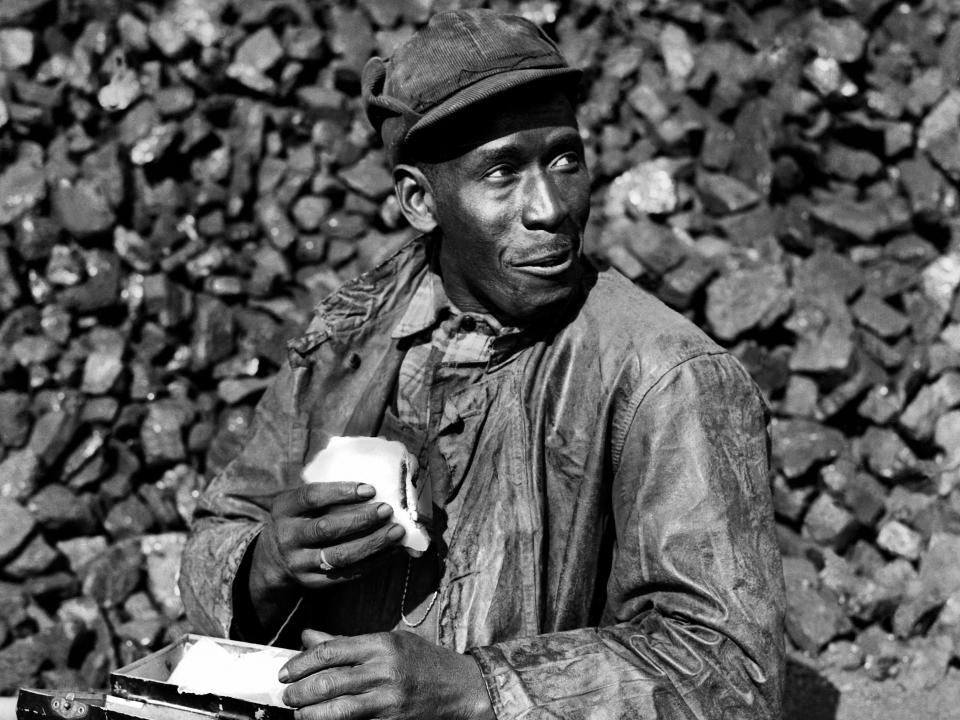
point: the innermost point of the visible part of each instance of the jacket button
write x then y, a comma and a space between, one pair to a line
353, 361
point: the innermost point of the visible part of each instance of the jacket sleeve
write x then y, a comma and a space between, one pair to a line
234, 508
692, 625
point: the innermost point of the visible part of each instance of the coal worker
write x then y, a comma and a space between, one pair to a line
603, 541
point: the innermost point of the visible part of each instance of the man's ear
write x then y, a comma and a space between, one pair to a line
416, 197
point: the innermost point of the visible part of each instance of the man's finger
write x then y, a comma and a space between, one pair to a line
328, 685
311, 497
348, 707
337, 653
309, 637
339, 524
346, 554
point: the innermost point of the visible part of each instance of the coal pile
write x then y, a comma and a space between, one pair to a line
180, 182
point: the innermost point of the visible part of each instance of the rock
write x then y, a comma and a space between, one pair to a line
647, 188
678, 54
939, 567
825, 334
259, 51
879, 317
110, 577
930, 403
813, 618
798, 445
104, 364
275, 223
789, 502
162, 432
163, 554
59, 510
308, 212
881, 404
81, 550
20, 664
850, 164
941, 122
35, 558
745, 299
722, 194
352, 37
842, 39
898, 539
213, 329
129, 518
829, 523
946, 435
52, 434
16, 48
827, 272
925, 663
369, 176
800, 399
843, 655
940, 280
17, 524
864, 222
886, 454
82, 208
20, 474
22, 186
653, 245
865, 497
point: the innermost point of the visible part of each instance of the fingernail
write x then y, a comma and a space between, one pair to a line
366, 491
284, 675
384, 511
396, 532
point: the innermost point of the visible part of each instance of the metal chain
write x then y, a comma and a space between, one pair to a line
403, 600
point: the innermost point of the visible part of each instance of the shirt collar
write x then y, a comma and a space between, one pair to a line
430, 305
426, 307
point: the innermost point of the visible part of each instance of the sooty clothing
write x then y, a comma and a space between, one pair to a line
606, 545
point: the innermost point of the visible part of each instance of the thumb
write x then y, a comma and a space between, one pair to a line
312, 638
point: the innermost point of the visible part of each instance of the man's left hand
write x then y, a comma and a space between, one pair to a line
394, 676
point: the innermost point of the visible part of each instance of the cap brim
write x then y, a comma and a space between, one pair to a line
484, 90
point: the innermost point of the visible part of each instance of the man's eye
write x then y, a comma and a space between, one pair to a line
499, 172
567, 160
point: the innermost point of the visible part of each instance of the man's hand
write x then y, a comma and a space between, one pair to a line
393, 676
329, 517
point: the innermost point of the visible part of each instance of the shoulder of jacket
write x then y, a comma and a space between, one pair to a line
624, 320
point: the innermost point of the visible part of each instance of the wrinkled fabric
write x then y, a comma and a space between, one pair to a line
610, 551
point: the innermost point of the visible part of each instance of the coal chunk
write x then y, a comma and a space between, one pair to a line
17, 524
745, 299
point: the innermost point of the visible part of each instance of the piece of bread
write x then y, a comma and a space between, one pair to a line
391, 470
208, 667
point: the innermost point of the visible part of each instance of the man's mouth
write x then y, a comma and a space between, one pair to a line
546, 264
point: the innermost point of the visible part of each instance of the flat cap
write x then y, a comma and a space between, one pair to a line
460, 58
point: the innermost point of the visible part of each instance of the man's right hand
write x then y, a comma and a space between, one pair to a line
332, 517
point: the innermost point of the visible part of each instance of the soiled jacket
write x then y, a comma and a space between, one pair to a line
611, 553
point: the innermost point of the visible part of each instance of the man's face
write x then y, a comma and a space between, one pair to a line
511, 210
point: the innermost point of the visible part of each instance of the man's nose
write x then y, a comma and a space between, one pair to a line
543, 206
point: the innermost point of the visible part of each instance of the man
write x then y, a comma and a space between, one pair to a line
603, 541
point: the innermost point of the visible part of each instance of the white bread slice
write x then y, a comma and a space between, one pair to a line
391, 470
208, 667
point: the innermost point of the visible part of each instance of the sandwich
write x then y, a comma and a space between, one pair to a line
391, 469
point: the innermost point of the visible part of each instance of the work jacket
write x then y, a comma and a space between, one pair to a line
610, 552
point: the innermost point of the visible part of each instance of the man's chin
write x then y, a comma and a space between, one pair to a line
546, 297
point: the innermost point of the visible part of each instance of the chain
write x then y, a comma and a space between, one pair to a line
403, 600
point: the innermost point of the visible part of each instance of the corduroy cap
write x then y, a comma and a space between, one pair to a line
460, 58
